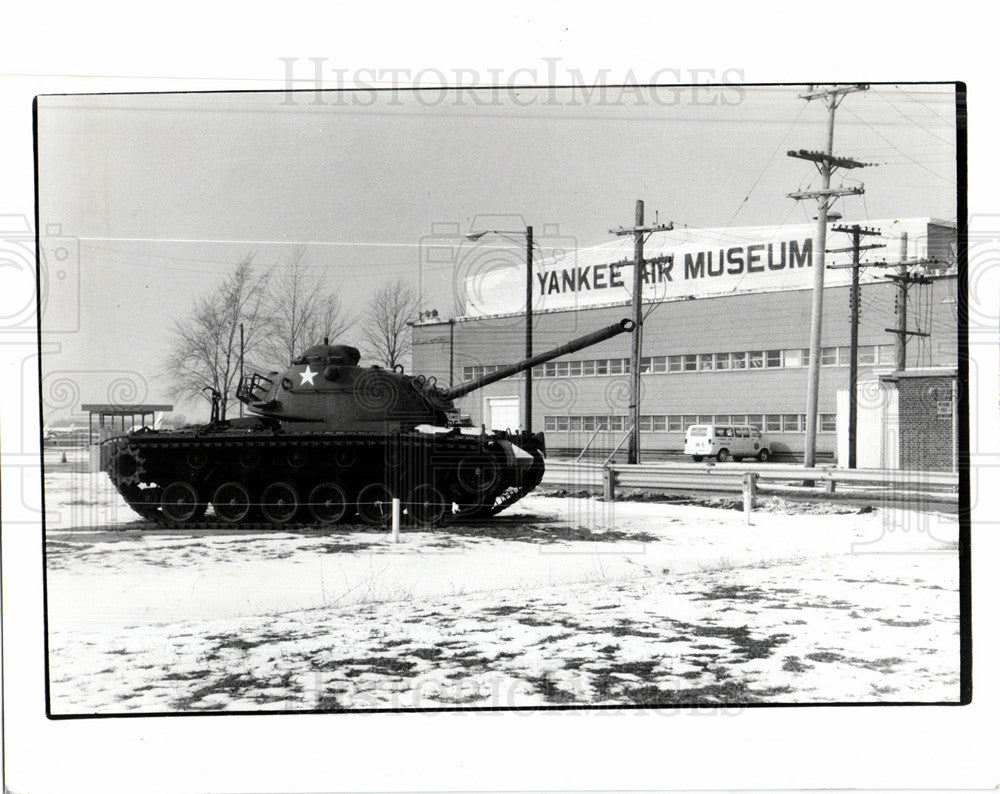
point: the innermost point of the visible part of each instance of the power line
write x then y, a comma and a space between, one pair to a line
912, 120
777, 148
915, 162
912, 98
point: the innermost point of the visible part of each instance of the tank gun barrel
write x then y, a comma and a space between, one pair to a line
621, 327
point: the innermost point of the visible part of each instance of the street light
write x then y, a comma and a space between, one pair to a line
528, 234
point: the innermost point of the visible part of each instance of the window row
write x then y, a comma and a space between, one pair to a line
679, 423
793, 358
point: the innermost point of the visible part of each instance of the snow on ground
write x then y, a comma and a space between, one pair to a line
557, 601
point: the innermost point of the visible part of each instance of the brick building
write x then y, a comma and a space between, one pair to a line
722, 352
928, 419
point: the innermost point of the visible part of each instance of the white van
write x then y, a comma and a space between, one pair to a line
723, 442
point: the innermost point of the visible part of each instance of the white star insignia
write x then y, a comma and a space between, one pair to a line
307, 375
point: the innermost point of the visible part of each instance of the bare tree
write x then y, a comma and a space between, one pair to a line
387, 336
303, 309
205, 346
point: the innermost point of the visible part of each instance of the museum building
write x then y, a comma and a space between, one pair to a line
725, 338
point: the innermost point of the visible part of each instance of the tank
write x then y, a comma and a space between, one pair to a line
330, 441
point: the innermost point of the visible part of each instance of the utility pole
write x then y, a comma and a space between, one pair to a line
640, 232
826, 163
528, 321
856, 232
903, 281
904, 271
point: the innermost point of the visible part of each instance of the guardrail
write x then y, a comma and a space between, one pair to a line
735, 477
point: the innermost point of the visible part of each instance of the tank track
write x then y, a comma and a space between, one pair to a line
266, 479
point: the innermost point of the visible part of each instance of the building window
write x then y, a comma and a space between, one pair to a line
756, 359
674, 363
690, 363
739, 360
772, 423
704, 419
723, 419
866, 354
659, 423
601, 366
615, 366
675, 424
550, 369
550, 423
722, 361
689, 419
588, 367
645, 364
773, 358
659, 364
536, 372
562, 423
756, 421
645, 422
738, 419
828, 357
828, 423
575, 368
805, 357
792, 358
706, 361
845, 356
562, 369
576, 423
790, 423
617, 423
467, 373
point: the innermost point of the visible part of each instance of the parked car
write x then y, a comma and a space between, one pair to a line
724, 442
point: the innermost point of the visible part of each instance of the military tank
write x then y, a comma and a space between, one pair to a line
330, 441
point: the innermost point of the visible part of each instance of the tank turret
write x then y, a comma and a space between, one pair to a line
326, 385
332, 441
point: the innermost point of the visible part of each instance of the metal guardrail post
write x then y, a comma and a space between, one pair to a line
609, 477
749, 493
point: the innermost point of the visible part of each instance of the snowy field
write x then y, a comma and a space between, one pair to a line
558, 601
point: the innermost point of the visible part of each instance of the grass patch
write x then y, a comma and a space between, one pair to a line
824, 656
794, 665
903, 624
734, 592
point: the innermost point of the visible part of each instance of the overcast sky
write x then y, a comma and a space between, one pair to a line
165, 193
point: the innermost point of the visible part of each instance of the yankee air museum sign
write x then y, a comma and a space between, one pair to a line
704, 262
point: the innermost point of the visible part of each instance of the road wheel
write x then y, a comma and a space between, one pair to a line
478, 474
180, 503
231, 502
427, 505
698, 458
722, 456
327, 503
375, 504
763, 455
279, 502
